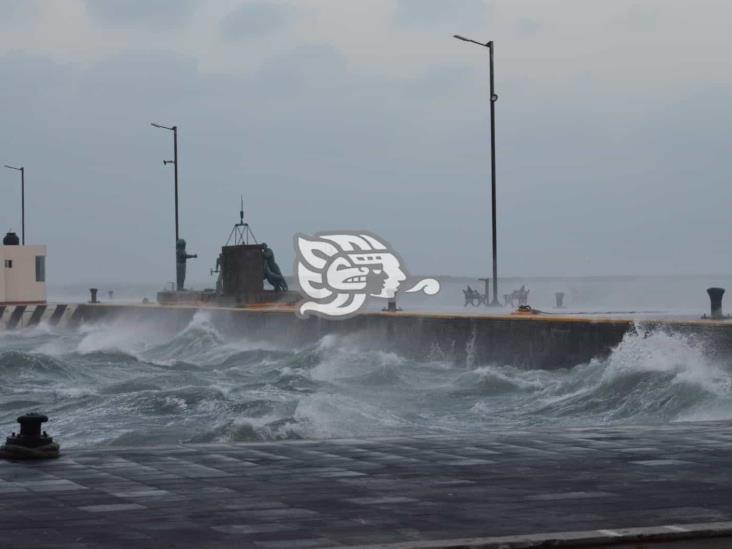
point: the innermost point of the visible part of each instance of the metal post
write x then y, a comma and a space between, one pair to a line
174, 129
22, 200
22, 205
175, 162
494, 98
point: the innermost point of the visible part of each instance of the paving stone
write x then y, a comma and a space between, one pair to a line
346, 492
111, 507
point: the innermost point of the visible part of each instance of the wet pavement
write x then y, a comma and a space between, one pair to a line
378, 491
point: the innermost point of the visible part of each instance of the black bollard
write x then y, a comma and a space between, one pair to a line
391, 305
31, 442
93, 292
559, 296
715, 297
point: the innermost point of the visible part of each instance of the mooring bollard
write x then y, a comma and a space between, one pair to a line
31, 442
559, 296
391, 305
93, 292
715, 298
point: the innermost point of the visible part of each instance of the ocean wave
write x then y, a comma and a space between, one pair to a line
129, 383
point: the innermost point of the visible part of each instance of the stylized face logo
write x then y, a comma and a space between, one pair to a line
338, 271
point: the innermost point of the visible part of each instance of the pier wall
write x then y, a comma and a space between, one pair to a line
544, 342
522, 342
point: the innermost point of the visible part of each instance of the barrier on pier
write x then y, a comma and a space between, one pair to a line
13, 317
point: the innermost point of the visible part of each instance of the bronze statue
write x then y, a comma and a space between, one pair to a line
180, 263
272, 271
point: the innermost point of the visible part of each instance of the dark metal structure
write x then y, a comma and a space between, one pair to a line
494, 98
22, 199
31, 442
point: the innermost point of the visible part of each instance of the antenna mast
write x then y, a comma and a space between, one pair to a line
242, 233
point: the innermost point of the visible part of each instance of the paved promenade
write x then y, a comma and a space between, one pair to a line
413, 491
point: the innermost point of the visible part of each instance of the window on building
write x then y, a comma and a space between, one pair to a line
40, 268
8, 263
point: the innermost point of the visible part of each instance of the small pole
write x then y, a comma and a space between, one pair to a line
22, 204
175, 162
494, 98
22, 200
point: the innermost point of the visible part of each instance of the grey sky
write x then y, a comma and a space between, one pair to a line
613, 131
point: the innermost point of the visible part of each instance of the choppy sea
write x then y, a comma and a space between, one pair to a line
122, 384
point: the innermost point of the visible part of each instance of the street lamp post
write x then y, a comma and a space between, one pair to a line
22, 200
174, 129
494, 98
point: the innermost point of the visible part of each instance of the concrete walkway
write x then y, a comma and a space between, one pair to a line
589, 484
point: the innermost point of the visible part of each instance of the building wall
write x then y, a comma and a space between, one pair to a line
18, 283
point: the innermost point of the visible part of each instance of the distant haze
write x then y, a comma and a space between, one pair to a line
613, 131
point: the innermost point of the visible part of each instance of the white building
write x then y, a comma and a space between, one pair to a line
22, 273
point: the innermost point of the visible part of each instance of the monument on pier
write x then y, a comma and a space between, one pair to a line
242, 267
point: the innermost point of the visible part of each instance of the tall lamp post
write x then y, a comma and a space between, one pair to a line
174, 129
22, 200
494, 98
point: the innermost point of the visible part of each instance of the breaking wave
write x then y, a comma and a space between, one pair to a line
132, 384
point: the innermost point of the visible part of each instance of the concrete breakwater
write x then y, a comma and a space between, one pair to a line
543, 342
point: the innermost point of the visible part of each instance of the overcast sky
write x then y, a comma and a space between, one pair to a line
613, 131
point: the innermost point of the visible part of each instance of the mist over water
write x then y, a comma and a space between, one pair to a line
143, 384
635, 295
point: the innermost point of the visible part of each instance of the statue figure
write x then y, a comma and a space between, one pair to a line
180, 263
272, 272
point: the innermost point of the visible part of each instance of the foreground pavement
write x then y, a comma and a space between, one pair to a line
579, 487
